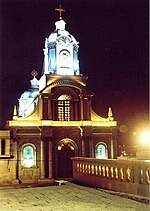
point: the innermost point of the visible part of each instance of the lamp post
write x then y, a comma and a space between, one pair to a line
145, 137
144, 145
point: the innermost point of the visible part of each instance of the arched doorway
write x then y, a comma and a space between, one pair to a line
66, 149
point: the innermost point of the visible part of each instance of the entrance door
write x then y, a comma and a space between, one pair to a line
65, 151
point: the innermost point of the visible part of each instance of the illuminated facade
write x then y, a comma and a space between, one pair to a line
54, 120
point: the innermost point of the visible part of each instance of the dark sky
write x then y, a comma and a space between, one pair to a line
113, 53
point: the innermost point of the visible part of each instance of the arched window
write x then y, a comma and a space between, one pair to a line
28, 155
64, 108
101, 151
3, 144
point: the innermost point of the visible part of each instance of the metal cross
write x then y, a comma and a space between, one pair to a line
60, 10
34, 73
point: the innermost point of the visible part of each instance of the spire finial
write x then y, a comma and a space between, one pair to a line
60, 10
110, 114
15, 113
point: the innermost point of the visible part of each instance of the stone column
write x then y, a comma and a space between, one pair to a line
42, 160
16, 158
81, 107
16, 162
41, 107
76, 110
54, 109
111, 149
50, 159
83, 147
46, 59
72, 110
45, 107
115, 144
86, 146
91, 149
49, 108
85, 108
0, 147
7, 147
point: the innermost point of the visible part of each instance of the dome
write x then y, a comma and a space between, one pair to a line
30, 93
33, 91
28, 102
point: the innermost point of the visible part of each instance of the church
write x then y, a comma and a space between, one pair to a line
54, 120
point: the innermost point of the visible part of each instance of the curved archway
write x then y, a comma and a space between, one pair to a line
66, 148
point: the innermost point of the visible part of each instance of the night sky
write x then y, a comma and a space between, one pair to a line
113, 53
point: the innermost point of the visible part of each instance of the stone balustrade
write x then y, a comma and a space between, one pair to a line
128, 176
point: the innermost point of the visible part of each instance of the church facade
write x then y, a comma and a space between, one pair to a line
54, 120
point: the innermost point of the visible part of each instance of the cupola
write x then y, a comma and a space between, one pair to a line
28, 99
61, 51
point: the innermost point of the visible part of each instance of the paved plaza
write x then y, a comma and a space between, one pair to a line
68, 197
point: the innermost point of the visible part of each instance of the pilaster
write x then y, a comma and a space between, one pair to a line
49, 108
42, 160
50, 160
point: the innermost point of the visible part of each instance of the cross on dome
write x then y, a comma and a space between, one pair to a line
60, 10
34, 73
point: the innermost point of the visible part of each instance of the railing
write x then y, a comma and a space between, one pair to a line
128, 176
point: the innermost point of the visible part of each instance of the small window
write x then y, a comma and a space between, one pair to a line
101, 151
28, 156
3, 144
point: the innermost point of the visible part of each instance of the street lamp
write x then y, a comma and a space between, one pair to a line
145, 137
144, 145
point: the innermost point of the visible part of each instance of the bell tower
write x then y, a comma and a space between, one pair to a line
61, 50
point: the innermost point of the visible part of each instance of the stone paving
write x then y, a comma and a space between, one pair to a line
68, 197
